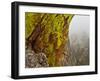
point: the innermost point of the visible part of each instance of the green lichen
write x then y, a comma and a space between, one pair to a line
53, 35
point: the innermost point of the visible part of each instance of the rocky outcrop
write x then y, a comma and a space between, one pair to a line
33, 59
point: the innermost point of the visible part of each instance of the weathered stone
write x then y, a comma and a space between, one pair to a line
33, 59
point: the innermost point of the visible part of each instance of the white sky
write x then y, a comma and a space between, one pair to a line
79, 26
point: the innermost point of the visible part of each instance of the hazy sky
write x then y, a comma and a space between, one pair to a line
79, 25
79, 29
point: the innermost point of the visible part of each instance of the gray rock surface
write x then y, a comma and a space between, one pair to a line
33, 59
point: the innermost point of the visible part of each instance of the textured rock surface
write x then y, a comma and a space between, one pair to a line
49, 35
33, 59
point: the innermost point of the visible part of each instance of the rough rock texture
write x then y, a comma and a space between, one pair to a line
33, 59
48, 33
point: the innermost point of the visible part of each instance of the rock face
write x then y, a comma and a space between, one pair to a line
49, 35
33, 59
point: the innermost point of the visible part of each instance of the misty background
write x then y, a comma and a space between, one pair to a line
79, 39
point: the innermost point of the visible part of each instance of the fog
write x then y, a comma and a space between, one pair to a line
79, 26
79, 39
